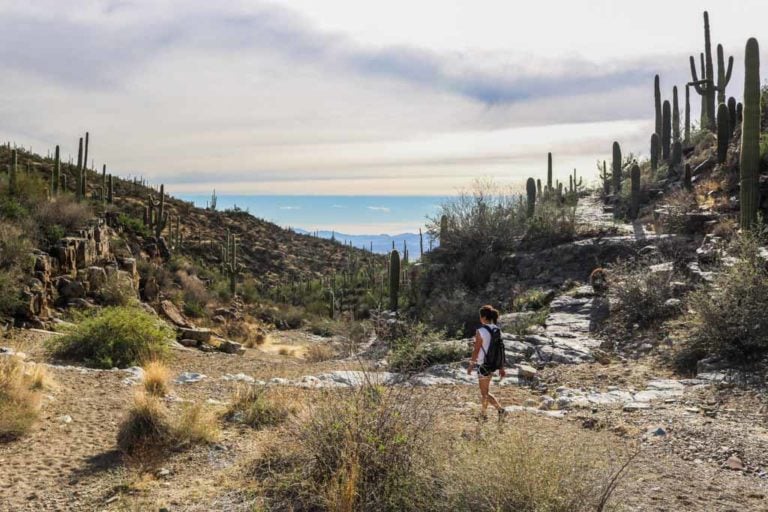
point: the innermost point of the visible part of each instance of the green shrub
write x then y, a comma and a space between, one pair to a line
117, 292
638, 296
729, 316
115, 337
133, 225
421, 348
531, 300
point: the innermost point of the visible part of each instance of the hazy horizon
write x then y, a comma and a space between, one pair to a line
345, 98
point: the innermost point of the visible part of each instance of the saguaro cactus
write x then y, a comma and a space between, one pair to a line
666, 131
79, 171
549, 172
56, 171
616, 167
530, 188
634, 207
657, 103
655, 152
687, 184
84, 178
731, 115
723, 74
538, 187
677, 155
12, 174
443, 230
110, 192
675, 116
723, 132
750, 136
606, 180
706, 86
687, 132
394, 279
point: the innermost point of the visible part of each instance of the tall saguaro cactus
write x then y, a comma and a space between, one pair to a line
723, 74
530, 188
56, 171
606, 180
549, 172
750, 136
731, 115
79, 171
706, 86
666, 131
84, 178
616, 167
12, 173
675, 116
634, 207
394, 279
655, 151
443, 231
111, 191
657, 103
687, 130
723, 132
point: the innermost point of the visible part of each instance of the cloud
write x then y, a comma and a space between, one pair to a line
290, 207
379, 209
338, 206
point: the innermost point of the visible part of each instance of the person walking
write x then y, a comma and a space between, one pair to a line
488, 357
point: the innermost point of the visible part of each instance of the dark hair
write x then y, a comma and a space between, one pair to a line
489, 313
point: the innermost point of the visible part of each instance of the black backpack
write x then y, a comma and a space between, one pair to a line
495, 357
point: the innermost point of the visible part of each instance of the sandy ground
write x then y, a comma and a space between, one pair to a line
73, 465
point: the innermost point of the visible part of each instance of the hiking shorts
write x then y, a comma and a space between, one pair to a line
484, 371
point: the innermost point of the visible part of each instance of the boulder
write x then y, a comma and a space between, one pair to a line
526, 372
96, 277
201, 335
70, 289
231, 347
169, 310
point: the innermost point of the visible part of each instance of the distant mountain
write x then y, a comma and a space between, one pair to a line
380, 244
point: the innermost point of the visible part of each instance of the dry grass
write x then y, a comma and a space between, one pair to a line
317, 352
156, 379
285, 352
196, 425
252, 406
258, 339
149, 429
19, 399
40, 379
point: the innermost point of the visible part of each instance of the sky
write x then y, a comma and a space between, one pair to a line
349, 97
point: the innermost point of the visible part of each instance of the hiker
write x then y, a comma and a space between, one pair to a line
488, 356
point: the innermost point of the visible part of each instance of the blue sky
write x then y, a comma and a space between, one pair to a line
341, 97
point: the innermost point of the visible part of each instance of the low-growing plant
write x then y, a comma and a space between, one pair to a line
156, 380
115, 337
195, 425
729, 316
19, 398
639, 296
117, 291
252, 406
422, 347
531, 299
318, 352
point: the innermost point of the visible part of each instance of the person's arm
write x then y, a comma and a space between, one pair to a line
475, 352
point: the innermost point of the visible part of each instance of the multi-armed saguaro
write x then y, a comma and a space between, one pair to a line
709, 84
155, 215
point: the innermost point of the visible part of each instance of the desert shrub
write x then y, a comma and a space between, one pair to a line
146, 428
115, 337
324, 327
525, 322
530, 473
531, 300
729, 319
551, 224
678, 205
454, 310
360, 449
195, 425
63, 212
318, 352
282, 316
133, 225
638, 296
252, 406
15, 263
19, 398
149, 430
156, 380
117, 292
422, 347
194, 292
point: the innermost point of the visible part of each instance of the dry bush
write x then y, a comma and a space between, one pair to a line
117, 292
156, 378
520, 468
638, 296
149, 430
196, 425
15, 263
318, 352
195, 293
360, 449
40, 379
63, 211
679, 205
285, 352
252, 406
729, 320
19, 398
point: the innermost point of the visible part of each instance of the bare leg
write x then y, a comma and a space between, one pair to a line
487, 397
